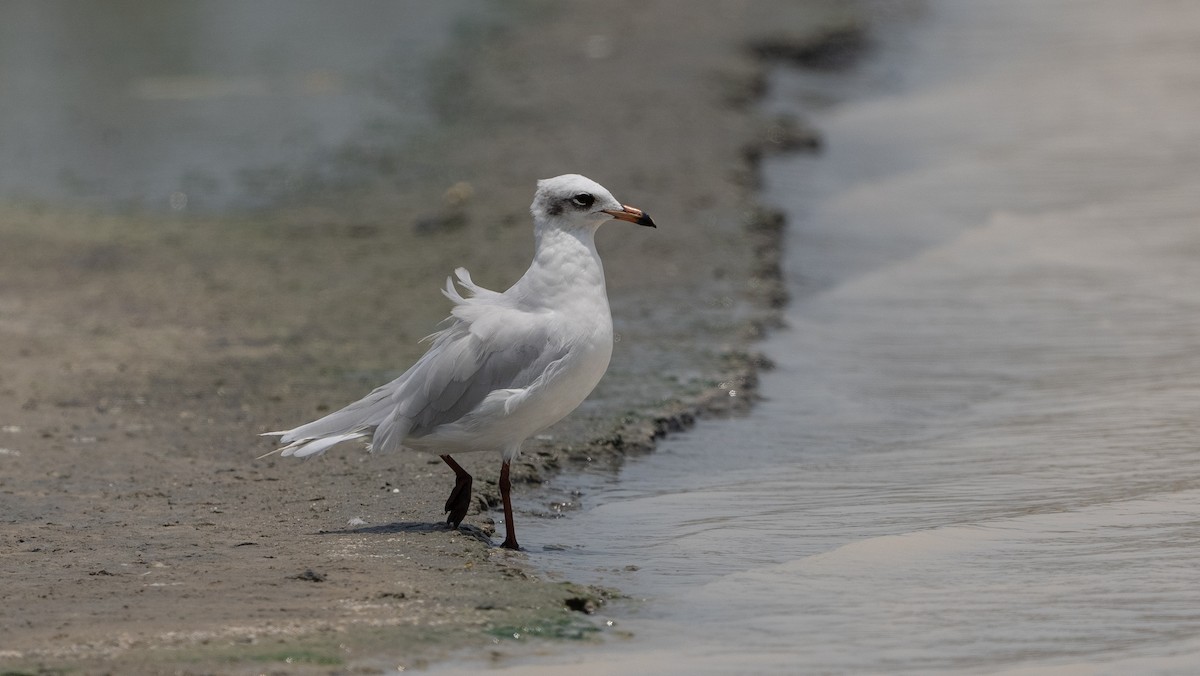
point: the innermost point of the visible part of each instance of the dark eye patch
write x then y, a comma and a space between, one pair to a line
583, 200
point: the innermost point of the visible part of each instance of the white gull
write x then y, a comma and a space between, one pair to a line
507, 365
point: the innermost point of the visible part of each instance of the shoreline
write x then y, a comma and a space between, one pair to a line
455, 594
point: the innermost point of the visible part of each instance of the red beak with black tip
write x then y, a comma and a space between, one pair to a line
632, 214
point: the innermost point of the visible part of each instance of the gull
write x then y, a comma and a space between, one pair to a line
506, 365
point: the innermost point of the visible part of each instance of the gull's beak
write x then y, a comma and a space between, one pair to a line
631, 214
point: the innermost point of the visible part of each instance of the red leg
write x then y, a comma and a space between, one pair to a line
460, 498
510, 531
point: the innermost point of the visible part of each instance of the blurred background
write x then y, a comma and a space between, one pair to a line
219, 105
216, 105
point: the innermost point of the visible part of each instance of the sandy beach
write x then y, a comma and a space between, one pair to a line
141, 353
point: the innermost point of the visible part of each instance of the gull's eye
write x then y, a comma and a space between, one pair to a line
583, 200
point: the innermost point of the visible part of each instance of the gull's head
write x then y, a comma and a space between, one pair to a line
572, 201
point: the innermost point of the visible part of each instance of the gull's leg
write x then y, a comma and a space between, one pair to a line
460, 498
510, 531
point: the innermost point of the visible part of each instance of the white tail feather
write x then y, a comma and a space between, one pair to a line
308, 447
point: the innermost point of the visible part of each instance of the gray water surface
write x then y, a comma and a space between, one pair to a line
979, 451
212, 105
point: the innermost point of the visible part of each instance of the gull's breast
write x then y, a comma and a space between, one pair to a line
568, 385
581, 371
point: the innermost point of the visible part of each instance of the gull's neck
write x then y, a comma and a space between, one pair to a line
566, 269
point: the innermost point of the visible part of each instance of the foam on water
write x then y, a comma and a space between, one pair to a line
979, 450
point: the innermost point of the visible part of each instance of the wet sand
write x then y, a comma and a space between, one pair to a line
141, 353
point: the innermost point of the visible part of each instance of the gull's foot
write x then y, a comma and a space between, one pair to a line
459, 501
511, 544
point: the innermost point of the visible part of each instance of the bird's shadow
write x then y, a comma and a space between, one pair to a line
411, 527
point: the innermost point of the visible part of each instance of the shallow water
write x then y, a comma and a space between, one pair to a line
978, 451
211, 105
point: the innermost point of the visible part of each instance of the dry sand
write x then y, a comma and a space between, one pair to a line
140, 355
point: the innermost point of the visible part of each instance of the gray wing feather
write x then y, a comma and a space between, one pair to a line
453, 388
362, 415
469, 359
